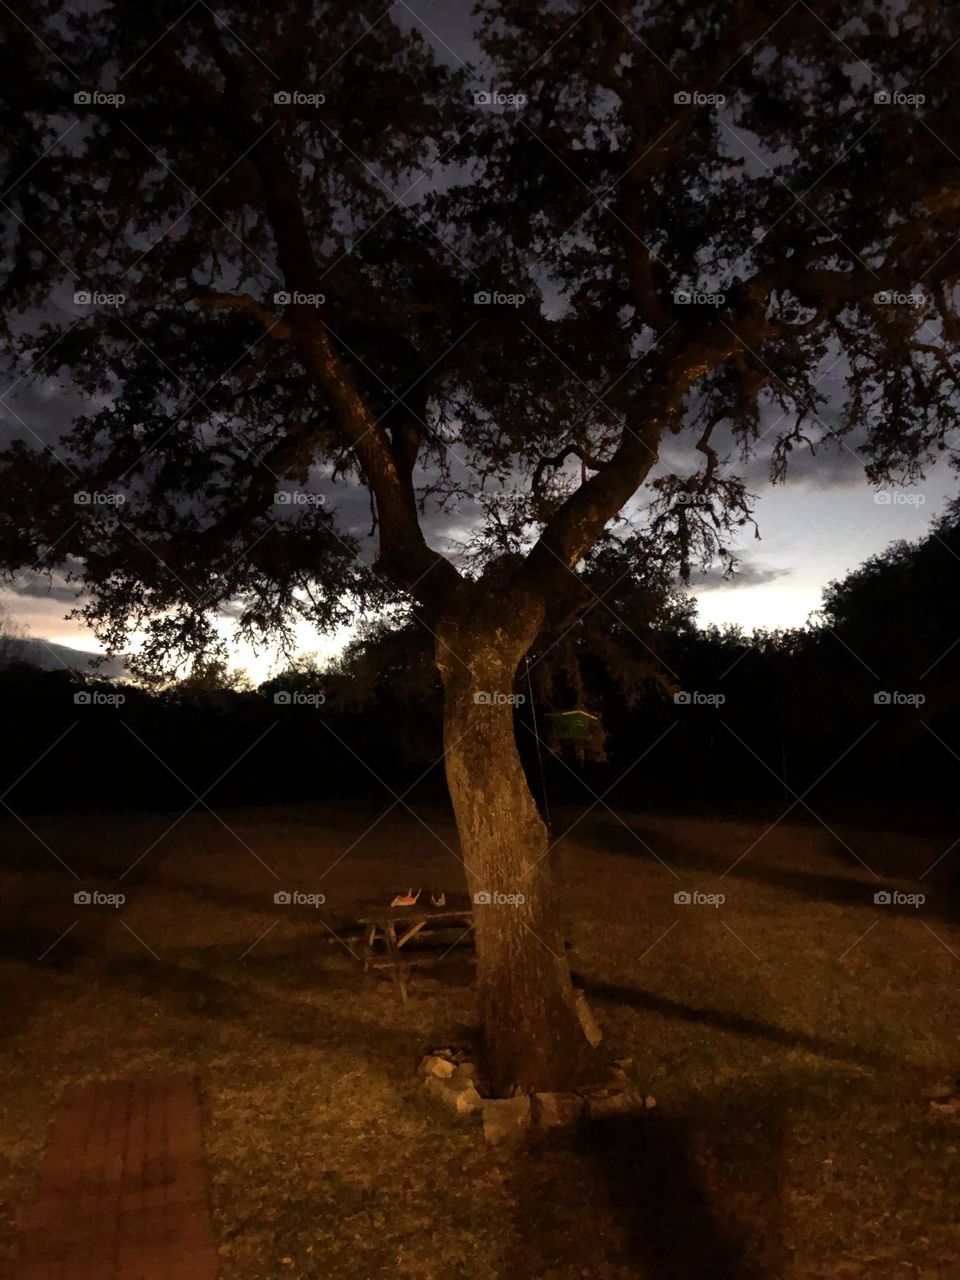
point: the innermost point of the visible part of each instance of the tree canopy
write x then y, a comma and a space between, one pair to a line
283, 257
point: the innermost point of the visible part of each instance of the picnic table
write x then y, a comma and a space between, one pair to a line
394, 927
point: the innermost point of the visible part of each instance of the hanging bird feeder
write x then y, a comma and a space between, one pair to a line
579, 731
577, 726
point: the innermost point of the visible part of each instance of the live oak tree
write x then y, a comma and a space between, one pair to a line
703, 235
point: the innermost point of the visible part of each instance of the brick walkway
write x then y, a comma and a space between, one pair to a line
123, 1191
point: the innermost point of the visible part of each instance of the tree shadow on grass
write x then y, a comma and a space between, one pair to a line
720, 1020
35, 949
852, 885
627, 1197
656, 1189
187, 991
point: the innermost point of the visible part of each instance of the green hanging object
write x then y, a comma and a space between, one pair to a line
574, 726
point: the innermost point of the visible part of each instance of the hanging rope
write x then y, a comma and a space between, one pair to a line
536, 738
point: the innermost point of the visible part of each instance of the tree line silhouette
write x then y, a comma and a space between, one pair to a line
862, 706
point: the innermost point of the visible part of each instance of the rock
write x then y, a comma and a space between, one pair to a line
463, 1101
458, 1083
465, 1071
623, 1063
945, 1106
506, 1119
553, 1110
619, 1103
601, 1089
588, 1022
649, 1102
619, 1075
434, 1065
941, 1092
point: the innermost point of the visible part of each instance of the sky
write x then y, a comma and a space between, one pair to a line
812, 533
814, 529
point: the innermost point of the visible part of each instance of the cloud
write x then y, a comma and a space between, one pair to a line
831, 466
748, 574
38, 586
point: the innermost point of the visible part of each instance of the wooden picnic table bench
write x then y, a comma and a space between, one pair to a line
394, 927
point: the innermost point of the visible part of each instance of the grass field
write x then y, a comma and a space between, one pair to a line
791, 1037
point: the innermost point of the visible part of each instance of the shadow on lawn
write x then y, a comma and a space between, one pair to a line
755, 1028
633, 1195
852, 885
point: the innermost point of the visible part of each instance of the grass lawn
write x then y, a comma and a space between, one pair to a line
791, 1037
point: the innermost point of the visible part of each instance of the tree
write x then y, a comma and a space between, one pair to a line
898, 611
644, 248
11, 634
211, 676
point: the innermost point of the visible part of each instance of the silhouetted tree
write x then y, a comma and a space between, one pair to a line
10, 634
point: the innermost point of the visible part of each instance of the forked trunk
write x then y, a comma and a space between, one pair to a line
532, 1033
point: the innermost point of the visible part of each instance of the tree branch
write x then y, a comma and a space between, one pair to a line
547, 570
404, 554
275, 325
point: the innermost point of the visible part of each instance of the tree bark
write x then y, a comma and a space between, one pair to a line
532, 1034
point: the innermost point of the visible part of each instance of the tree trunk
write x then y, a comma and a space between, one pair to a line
532, 1033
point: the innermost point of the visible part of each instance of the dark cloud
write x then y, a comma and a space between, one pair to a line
828, 464
46, 655
38, 586
748, 574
